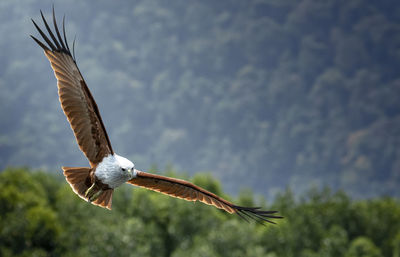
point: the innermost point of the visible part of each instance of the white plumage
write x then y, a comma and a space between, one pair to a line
114, 170
108, 170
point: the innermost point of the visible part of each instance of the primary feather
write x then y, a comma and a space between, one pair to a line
109, 170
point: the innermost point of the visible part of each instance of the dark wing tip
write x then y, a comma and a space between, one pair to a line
56, 44
256, 214
40, 43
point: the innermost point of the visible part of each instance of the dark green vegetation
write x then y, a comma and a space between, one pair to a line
41, 216
264, 93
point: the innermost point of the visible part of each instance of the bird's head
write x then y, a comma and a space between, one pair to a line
126, 166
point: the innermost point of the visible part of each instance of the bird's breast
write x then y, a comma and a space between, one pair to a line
109, 172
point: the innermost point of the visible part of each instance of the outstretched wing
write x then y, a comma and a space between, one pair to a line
190, 192
76, 100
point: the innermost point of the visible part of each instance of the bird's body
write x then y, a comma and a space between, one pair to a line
115, 170
108, 170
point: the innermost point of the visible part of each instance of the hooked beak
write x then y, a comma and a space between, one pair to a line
132, 172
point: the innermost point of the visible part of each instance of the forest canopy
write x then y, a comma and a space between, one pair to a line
41, 216
297, 100
263, 93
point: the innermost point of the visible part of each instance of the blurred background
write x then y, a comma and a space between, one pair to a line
292, 105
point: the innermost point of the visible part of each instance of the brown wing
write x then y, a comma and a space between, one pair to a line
190, 192
76, 100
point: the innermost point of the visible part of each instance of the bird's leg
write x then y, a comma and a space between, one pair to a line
95, 196
93, 192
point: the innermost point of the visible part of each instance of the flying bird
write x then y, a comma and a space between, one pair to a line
109, 170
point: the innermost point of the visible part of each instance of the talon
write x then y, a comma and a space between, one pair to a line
93, 192
89, 192
95, 196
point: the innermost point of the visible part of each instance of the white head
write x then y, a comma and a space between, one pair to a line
126, 166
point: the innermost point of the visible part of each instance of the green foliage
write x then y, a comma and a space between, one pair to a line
363, 247
41, 216
28, 224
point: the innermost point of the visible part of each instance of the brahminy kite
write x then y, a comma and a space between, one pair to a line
108, 170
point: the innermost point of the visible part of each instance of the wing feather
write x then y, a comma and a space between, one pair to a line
188, 191
75, 97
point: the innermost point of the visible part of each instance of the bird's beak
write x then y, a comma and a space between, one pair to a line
132, 172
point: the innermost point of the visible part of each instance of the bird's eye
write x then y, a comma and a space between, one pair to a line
123, 169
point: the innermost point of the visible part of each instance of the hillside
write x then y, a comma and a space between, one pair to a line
263, 94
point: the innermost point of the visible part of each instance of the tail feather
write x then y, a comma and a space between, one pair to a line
105, 199
79, 180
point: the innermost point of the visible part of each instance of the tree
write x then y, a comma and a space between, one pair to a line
363, 247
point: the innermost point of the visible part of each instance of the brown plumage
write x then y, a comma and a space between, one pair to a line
94, 183
76, 100
81, 178
190, 192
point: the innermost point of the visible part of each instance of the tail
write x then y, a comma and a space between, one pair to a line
79, 180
